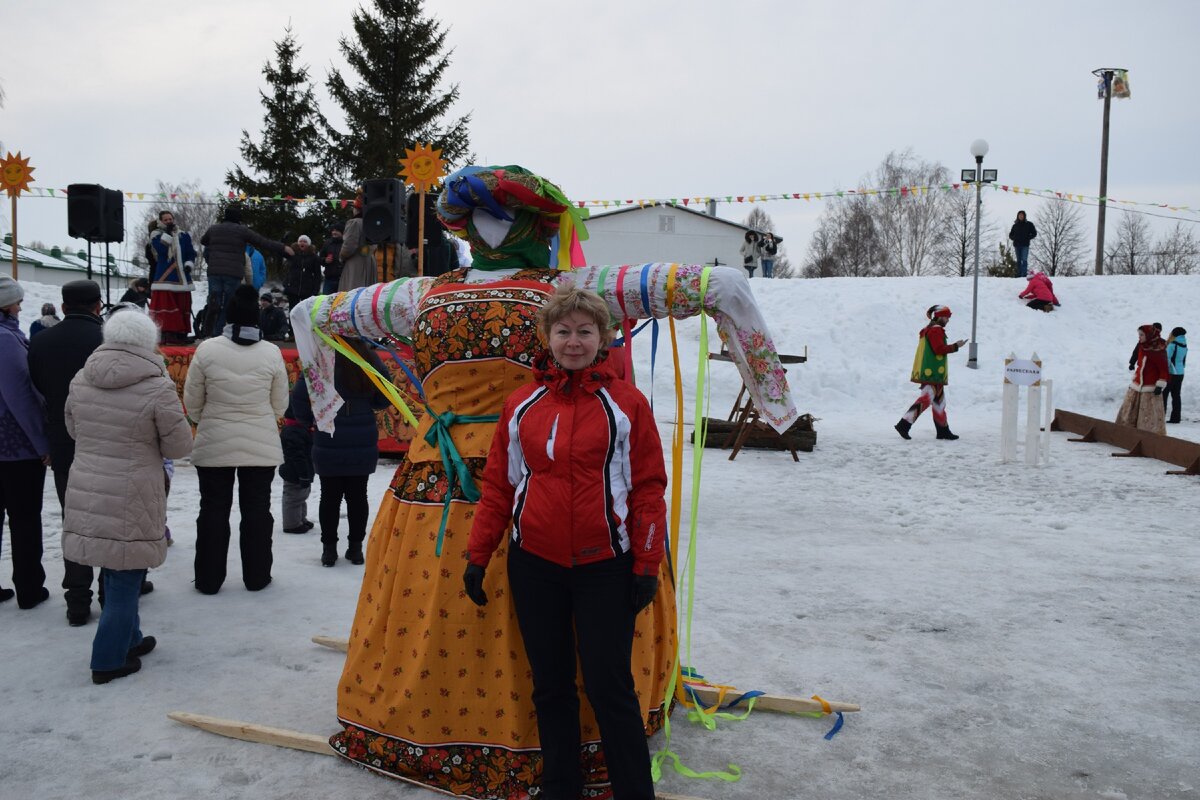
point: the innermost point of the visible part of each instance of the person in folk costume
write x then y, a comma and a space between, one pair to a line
171, 279
1176, 363
932, 371
435, 690
1143, 406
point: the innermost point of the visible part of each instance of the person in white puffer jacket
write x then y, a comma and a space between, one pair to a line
235, 391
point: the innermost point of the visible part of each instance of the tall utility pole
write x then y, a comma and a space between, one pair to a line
1106, 75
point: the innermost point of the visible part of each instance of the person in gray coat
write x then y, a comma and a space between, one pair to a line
225, 251
358, 257
125, 416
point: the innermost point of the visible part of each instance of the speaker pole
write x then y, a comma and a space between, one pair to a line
385, 264
89, 241
108, 267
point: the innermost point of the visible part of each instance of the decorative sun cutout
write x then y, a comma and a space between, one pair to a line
423, 168
15, 174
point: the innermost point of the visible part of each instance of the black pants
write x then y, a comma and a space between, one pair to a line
212, 526
21, 484
1040, 305
1174, 386
593, 602
333, 489
77, 578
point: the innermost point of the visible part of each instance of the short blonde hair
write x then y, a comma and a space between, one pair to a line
566, 300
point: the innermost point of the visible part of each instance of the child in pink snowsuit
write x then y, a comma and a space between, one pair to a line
1040, 293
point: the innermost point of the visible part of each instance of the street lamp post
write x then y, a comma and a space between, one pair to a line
979, 149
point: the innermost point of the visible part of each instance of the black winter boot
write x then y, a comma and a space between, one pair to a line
132, 665
902, 427
354, 553
943, 432
329, 553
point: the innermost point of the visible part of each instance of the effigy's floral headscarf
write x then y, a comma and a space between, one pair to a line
539, 212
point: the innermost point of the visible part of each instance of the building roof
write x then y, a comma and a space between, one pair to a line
674, 207
67, 261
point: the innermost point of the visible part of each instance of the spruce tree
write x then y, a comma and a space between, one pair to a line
398, 56
287, 161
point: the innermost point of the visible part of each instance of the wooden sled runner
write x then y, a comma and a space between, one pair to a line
296, 740
765, 702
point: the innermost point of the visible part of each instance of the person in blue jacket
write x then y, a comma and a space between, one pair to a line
345, 460
1176, 361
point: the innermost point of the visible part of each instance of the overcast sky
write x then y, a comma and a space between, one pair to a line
636, 98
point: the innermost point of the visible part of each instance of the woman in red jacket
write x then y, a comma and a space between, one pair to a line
1039, 292
576, 469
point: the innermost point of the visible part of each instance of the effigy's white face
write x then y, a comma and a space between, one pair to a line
490, 229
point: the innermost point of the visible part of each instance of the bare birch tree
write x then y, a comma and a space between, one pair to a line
1059, 246
908, 215
1131, 254
1178, 252
955, 250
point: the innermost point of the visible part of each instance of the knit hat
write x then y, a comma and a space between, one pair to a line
243, 307
1178, 332
304, 238
233, 214
338, 226
131, 327
11, 292
938, 311
80, 293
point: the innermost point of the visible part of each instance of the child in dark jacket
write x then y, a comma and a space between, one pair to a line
345, 460
297, 470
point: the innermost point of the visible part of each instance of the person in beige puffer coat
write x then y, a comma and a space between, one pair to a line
124, 415
235, 391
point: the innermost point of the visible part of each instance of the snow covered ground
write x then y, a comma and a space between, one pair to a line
1010, 632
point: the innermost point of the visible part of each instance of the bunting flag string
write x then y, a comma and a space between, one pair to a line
208, 198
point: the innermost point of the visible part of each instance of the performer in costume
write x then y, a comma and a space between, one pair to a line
932, 371
436, 690
171, 287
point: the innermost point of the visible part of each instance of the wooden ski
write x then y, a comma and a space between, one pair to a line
295, 740
765, 702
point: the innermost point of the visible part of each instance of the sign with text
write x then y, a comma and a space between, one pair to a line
1023, 372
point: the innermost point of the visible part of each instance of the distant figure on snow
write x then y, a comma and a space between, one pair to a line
1142, 409
932, 371
769, 249
1021, 234
1176, 361
1040, 293
751, 251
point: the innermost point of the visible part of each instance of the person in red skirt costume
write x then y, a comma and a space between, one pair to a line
171, 279
1143, 405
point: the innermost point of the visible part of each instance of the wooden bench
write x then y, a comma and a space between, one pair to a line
1137, 443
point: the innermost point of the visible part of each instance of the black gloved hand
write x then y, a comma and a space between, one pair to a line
473, 584
1131, 367
1158, 390
644, 589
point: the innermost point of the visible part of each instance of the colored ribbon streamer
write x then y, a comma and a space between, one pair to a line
457, 471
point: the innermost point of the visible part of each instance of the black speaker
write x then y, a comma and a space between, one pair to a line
113, 228
432, 223
437, 255
383, 211
85, 211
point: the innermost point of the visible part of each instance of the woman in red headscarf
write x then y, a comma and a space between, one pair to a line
1143, 406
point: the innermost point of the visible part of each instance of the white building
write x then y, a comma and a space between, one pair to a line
56, 267
674, 234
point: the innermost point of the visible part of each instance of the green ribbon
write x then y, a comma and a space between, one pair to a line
457, 471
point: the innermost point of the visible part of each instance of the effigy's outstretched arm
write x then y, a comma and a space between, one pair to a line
640, 291
381, 311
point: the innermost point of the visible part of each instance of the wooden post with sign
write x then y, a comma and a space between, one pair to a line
423, 169
1017, 373
15, 177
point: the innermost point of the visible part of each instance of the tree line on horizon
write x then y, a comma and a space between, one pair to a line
392, 97
933, 233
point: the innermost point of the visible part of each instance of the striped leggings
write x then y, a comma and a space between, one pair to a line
932, 395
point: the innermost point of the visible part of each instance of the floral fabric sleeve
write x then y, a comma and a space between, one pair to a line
382, 311
639, 291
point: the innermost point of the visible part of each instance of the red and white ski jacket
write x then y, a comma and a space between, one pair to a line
576, 467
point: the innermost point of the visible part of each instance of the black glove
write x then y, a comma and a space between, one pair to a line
473, 584
1131, 367
1158, 390
644, 589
